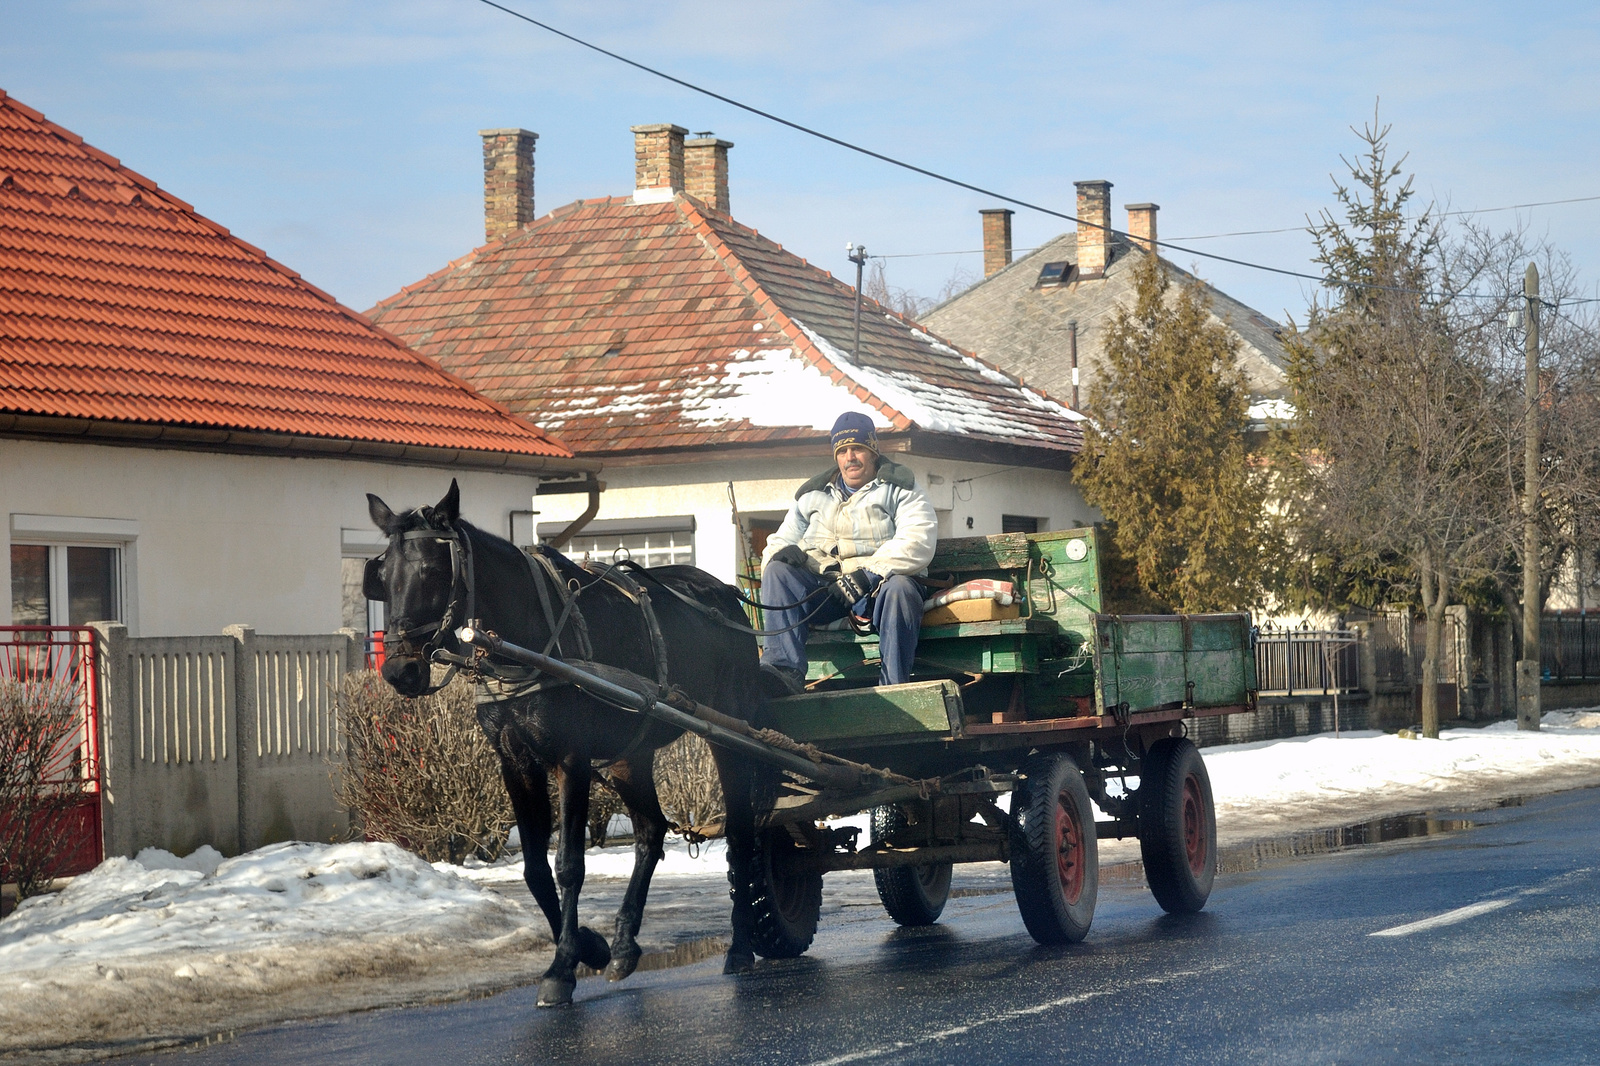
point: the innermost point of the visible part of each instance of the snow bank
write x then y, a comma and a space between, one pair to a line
1329, 781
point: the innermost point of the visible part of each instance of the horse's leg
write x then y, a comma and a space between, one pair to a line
575, 943
530, 800
635, 782
737, 787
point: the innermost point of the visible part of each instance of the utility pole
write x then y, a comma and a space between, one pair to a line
858, 256
1528, 666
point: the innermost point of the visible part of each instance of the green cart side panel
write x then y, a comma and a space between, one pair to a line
1150, 661
1005, 646
1058, 590
925, 709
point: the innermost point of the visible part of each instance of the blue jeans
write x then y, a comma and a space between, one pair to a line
896, 612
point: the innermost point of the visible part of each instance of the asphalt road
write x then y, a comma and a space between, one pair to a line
1480, 944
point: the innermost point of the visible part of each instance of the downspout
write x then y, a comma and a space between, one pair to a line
593, 487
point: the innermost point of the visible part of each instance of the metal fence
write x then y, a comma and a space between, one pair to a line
1305, 661
62, 658
1569, 645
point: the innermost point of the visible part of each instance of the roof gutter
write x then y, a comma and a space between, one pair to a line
193, 438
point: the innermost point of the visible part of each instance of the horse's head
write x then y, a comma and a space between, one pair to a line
421, 577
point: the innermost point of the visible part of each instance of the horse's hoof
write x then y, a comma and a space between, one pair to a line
739, 962
555, 992
622, 965
593, 951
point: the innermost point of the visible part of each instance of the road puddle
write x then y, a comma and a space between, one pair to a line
1240, 858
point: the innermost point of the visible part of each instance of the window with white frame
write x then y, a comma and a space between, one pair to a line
647, 541
356, 547
68, 570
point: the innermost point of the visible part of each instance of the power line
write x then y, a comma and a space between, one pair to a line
935, 175
1441, 214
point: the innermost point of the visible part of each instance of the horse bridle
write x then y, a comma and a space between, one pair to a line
462, 605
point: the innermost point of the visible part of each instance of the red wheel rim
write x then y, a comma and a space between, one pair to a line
1194, 825
1069, 849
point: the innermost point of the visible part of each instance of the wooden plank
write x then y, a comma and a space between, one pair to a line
1003, 551
998, 627
1156, 661
923, 708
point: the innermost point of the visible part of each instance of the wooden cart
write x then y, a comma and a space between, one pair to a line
1057, 706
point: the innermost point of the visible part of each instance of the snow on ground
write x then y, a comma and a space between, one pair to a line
1323, 781
161, 949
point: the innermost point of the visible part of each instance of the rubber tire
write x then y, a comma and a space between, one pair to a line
785, 906
1177, 825
1055, 855
913, 895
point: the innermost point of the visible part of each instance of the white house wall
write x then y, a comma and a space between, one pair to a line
224, 539
765, 488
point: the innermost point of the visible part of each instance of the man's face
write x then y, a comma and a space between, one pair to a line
857, 465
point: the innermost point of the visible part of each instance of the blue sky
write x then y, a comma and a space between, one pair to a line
341, 136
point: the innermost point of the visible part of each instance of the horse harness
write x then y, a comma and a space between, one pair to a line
463, 600
499, 682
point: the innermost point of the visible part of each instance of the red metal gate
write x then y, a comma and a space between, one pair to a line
63, 657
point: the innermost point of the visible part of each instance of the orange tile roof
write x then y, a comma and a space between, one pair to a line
120, 304
634, 328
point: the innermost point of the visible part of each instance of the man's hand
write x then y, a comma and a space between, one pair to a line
791, 554
855, 586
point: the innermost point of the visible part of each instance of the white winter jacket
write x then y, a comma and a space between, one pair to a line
886, 526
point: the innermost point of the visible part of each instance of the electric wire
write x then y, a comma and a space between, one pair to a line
958, 183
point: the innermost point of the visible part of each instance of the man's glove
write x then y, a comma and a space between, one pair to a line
791, 554
855, 586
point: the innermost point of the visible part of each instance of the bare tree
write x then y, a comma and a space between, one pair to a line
41, 781
906, 301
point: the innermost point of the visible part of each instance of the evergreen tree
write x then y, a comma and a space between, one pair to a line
1167, 461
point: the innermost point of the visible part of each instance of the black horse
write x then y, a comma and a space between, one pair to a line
440, 571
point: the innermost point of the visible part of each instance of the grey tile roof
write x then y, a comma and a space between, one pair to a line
1010, 320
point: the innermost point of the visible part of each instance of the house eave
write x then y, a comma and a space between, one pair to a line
240, 442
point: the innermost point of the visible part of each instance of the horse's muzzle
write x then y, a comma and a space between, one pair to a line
407, 674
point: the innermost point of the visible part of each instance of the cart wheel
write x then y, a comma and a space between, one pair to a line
913, 895
1177, 825
1055, 856
785, 904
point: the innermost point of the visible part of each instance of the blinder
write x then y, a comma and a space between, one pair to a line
372, 580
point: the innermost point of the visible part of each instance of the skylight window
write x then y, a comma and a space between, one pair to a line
1055, 274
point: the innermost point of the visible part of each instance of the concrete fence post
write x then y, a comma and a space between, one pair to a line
247, 743
116, 738
1366, 658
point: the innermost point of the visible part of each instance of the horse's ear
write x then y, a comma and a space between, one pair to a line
382, 517
449, 508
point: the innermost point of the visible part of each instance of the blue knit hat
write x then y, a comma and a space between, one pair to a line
856, 429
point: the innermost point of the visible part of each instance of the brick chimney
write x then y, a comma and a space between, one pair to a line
507, 181
996, 239
657, 162
705, 171
1094, 243
1142, 225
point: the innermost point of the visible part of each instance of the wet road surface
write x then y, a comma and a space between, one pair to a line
1480, 942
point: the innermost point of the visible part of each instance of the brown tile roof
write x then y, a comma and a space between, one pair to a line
631, 328
120, 305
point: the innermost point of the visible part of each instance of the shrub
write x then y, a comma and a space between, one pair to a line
687, 782
41, 781
420, 773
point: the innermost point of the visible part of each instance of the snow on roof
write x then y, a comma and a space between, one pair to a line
629, 328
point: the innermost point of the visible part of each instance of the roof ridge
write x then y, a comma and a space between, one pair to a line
805, 347
499, 242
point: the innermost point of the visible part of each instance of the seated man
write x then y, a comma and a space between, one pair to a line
862, 528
